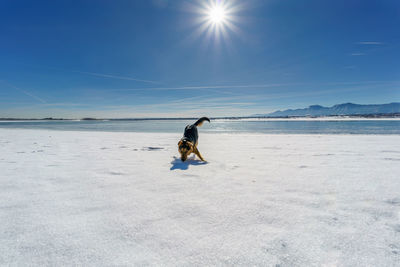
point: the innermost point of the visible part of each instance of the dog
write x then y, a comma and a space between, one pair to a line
188, 143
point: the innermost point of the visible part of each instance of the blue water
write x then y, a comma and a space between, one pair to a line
219, 126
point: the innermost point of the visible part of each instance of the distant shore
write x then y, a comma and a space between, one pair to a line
355, 116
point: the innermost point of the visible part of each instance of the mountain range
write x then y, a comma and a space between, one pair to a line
337, 110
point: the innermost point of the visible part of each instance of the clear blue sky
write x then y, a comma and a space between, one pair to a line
151, 58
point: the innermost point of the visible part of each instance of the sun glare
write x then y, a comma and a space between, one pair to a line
217, 14
216, 18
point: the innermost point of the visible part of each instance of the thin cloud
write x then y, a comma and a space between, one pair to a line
33, 96
357, 54
206, 87
370, 43
66, 104
118, 77
205, 102
249, 86
25, 92
115, 77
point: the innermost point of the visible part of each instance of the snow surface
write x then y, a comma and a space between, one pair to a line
98, 198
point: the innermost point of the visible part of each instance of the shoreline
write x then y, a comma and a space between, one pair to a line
327, 118
234, 133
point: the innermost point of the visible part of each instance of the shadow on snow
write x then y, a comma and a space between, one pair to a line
177, 163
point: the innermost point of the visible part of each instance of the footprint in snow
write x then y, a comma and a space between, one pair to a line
393, 201
392, 159
395, 249
151, 148
116, 173
396, 228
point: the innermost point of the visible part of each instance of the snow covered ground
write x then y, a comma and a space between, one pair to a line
98, 198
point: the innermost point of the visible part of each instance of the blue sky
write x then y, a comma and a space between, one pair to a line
152, 58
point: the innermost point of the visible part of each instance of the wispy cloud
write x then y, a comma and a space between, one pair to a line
189, 106
116, 77
240, 101
357, 54
24, 92
248, 86
66, 104
370, 43
103, 75
210, 87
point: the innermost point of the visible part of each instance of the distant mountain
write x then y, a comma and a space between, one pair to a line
341, 109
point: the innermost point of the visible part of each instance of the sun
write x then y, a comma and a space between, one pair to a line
217, 14
216, 19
